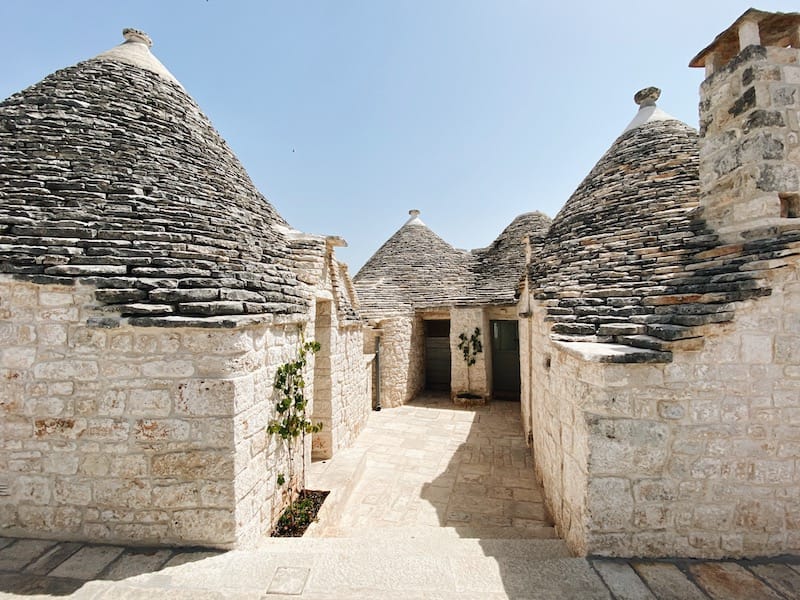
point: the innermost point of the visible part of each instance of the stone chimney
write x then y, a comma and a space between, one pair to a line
749, 131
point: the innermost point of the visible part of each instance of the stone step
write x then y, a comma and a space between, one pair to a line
340, 479
404, 543
332, 569
542, 532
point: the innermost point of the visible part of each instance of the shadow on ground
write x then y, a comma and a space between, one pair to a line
30, 567
488, 488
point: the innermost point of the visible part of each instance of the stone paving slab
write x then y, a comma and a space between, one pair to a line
783, 578
88, 562
667, 582
622, 581
52, 558
453, 514
723, 580
434, 464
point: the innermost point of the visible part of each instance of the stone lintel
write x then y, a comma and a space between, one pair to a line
612, 353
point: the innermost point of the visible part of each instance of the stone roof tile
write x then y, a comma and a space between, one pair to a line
110, 173
414, 268
631, 246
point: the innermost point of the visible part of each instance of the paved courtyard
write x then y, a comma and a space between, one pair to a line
430, 465
432, 502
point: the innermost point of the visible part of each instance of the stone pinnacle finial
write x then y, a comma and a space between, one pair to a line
414, 212
647, 96
136, 35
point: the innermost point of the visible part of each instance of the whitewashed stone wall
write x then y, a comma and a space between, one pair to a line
553, 390
402, 360
351, 387
698, 457
136, 435
342, 395
348, 397
464, 379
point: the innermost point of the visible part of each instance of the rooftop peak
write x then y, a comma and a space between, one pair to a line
647, 97
648, 111
135, 50
414, 220
137, 35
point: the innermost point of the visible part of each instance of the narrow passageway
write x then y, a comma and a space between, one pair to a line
431, 465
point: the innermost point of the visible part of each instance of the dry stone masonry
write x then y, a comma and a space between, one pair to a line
148, 293
661, 385
160, 211
417, 276
658, 318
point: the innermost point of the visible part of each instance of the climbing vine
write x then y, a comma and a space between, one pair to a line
292, 422
470, 348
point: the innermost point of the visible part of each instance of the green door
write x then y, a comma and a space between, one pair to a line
505, 360
437, 355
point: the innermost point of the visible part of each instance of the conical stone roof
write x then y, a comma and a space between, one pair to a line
415, 267
629, 254
626, 223
111, 174
499, 268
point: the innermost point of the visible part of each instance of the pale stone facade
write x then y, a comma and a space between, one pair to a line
144, 435
466, 379
342, 389
697, 457
416, 277
148, 294
684, 441
150, 435
401, 374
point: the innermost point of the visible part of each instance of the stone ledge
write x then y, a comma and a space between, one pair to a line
612, 353
228, 322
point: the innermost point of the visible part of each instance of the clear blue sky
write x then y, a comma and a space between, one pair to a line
349, 113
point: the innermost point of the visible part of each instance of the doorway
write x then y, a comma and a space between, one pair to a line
505, 360
437, 354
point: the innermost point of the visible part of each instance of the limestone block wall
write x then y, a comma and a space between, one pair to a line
134, 435
402, 360
697, 457
554, 387
353, 386
471, 379
350, 393
750, 139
